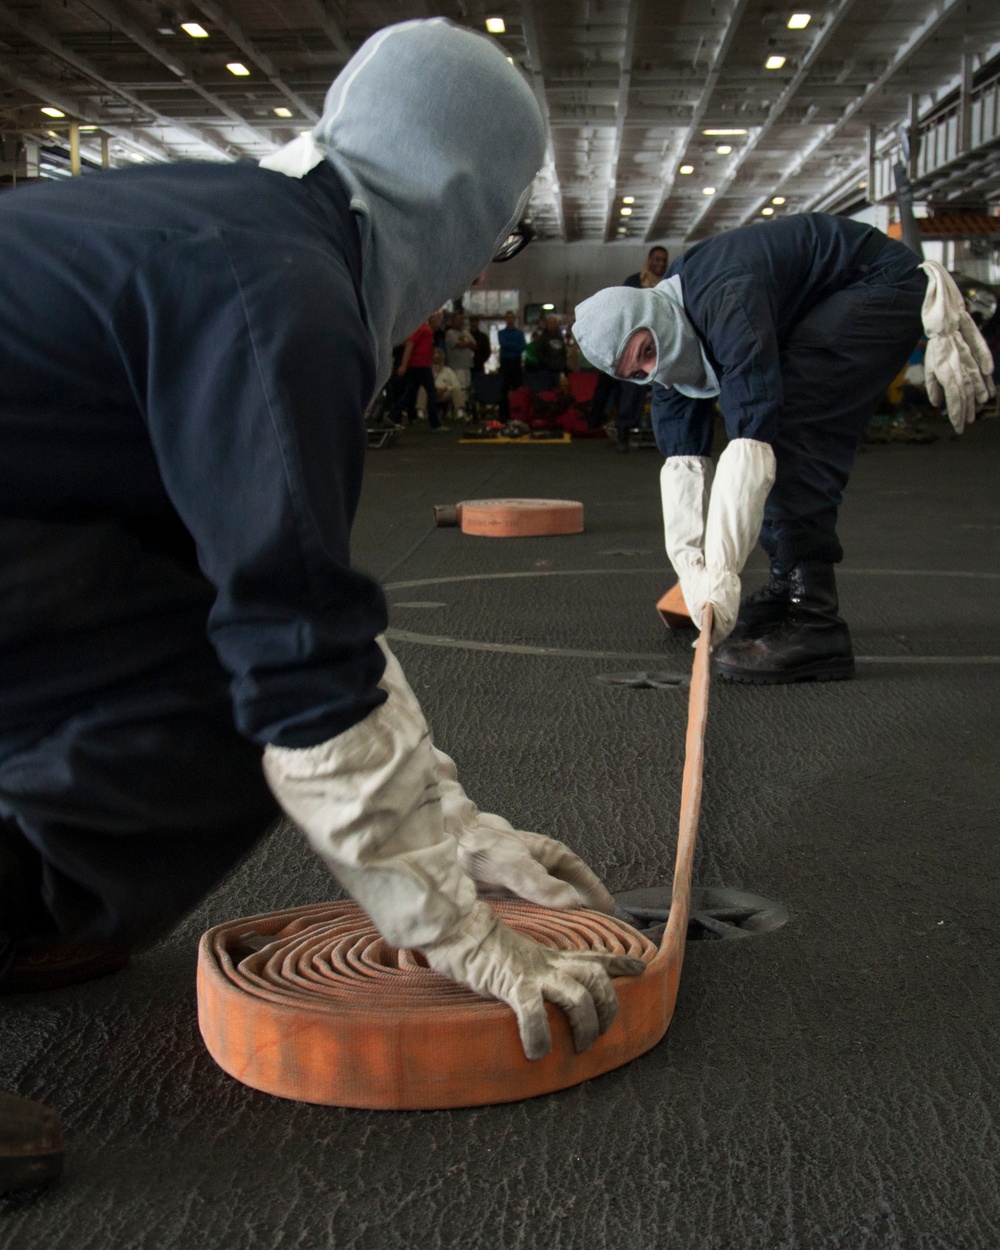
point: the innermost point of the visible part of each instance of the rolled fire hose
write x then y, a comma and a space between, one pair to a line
313, 1004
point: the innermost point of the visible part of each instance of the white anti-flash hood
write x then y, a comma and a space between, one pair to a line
437, 138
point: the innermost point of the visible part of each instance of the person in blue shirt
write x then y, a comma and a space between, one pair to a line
794, 329
186, 651
512, 344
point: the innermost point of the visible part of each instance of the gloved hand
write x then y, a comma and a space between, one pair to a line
709, 554
502, 859
368, 801
958, 366
492, 959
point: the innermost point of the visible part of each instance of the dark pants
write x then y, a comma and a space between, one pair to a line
631, 398
416, 377
835, 368
511, 377
125, 791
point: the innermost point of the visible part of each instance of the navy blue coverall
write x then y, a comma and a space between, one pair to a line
184, 365
806, 321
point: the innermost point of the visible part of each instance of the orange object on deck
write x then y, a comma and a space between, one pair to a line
674, 610
520, 518
328, 1012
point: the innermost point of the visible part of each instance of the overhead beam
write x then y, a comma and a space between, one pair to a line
530, 29
38, 35
818, 46
225, 22
42, 91
329, 25
624, 87
732, 22
918, 37
124, 24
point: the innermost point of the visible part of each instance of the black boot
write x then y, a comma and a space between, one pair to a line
812, 643
765, 607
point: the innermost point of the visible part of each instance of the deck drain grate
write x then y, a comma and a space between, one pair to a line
658, 680
717, 913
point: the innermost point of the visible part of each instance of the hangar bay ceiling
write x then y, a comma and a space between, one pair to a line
671, 119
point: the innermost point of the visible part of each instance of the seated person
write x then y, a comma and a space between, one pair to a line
447, 385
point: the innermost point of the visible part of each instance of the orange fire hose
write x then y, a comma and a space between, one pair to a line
313, 1004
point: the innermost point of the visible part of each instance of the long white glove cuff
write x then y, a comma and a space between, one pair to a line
684, 487
958, 365
743, 479
368, 801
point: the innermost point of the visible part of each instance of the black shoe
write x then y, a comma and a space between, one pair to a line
31, 1143
766, 607
812, 643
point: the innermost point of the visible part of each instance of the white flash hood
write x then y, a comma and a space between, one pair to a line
437, 138
605, 323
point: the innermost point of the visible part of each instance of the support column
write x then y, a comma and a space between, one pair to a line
914, 136
74, 149
105, 152
965, 105
870, 197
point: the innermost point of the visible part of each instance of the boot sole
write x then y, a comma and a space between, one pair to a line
842, 672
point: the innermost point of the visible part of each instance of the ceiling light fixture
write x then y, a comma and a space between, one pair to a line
548, 308
194, 29
49, 111
238, 68
625, 212
496, 25
723, 132
777, 199
281, 111
708, 190
686, 169
621, 229
774, 62
799, 21
628, 199
724, 149
767, 212
83, 128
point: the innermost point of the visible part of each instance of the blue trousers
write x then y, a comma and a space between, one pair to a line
125, 790
417, 377
835, 368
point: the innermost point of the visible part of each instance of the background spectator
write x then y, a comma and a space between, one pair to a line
446, 384
460, 348
415, 370
512, 344
653, 271
483, 349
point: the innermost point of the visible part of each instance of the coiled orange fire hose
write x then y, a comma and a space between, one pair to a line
313, 1004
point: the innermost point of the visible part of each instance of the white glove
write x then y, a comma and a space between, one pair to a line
958, 366
709, 555
492, 959
369, 803
502, 859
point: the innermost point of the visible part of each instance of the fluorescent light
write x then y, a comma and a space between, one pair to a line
194, 30
723, 132
496, 25
777, 199
767, 212
774, 62
83, 128
708, 190
281, 111
548, 308
686, 169
625, 212
49, 111
621, 229
724, 149
799, 21
628, 199
238, 68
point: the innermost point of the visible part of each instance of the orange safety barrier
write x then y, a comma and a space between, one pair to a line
328, 1012
673, 610
513, 518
